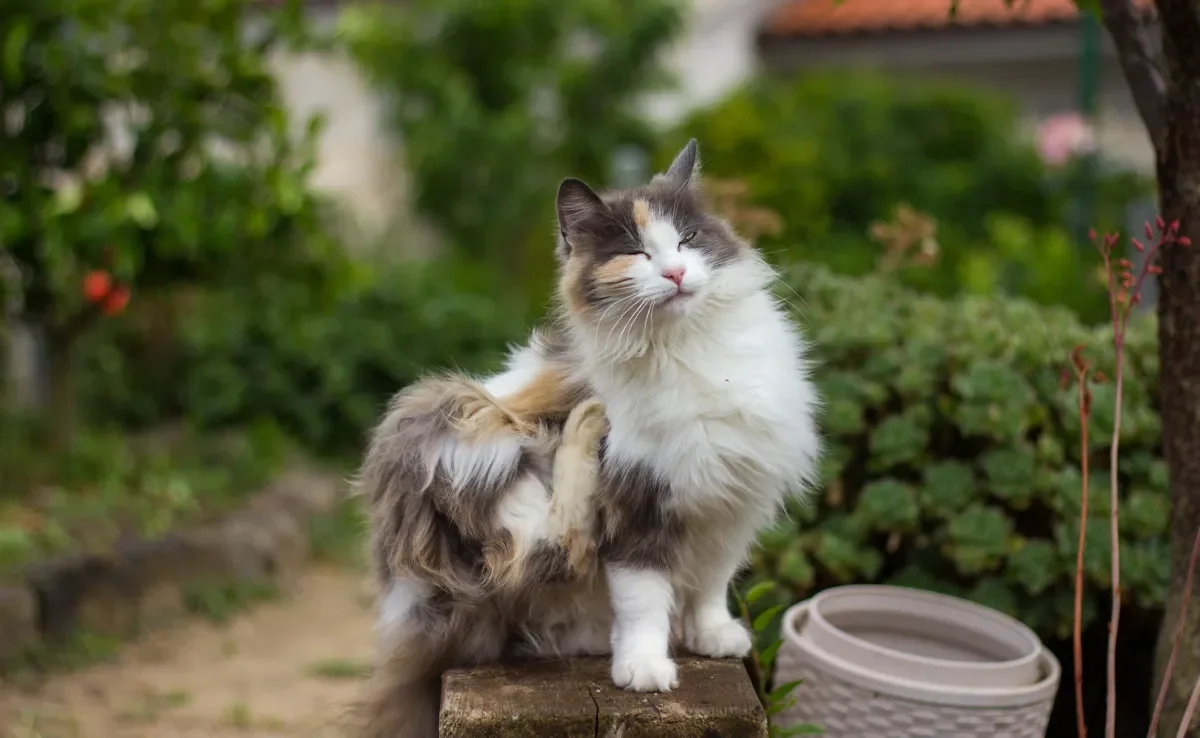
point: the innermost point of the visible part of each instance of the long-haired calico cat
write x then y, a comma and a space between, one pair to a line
488, 496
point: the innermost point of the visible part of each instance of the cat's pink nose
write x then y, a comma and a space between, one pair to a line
675, 274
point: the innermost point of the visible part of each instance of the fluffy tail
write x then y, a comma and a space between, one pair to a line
459, 505
402, 697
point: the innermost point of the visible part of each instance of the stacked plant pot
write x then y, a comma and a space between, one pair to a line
891, 661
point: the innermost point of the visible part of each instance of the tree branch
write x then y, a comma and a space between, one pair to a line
71, 329
1141, 69
1181, 33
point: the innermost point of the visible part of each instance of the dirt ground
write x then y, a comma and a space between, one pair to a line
285, 668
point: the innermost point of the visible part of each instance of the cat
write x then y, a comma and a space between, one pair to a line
599, 494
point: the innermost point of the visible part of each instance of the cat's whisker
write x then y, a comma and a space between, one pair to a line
626, 327
632, 295
632, 299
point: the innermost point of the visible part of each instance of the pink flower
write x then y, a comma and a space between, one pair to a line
1063, 136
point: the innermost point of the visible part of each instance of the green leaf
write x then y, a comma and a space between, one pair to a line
1097, 547
774, 539
918, 578
1146, 514
995, 594
766, 657
67, 198
948, 489
778, 706
843, 557
14, 50
783, 690
978, 539
764, 618
795, 569
1011, 474
888, 505
898, 440
996, 402
1035, 566
758, 591
140, 208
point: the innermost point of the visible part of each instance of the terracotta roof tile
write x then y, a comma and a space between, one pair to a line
827, 17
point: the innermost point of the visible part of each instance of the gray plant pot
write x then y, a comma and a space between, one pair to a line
880, 661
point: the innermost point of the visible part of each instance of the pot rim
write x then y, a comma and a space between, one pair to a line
822, 661
959, 614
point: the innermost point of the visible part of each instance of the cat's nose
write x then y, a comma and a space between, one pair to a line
675, 274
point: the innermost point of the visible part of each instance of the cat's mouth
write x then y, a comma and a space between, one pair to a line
679, 297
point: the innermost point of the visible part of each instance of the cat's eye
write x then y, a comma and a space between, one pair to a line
687, 237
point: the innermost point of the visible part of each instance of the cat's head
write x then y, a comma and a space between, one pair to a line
650, 254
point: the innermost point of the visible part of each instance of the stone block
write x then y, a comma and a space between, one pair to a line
577, 699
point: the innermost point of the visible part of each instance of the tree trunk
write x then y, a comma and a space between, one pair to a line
1179, 355
60, 359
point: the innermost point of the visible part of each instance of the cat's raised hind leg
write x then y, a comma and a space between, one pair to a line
572, 517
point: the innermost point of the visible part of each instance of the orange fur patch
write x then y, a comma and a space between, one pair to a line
548, 394
615, 269
484, 418
571, 285
641, 213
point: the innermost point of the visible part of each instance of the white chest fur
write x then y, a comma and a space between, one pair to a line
723, 411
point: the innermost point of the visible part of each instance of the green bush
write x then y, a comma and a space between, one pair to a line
506, 97
953, 450
833, 154
109, 485
147, 149
323, 373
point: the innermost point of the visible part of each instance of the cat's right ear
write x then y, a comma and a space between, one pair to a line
576, 203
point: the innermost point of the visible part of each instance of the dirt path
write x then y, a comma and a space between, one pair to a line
286, 668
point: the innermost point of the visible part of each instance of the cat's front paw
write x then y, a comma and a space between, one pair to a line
726, 640
645, 673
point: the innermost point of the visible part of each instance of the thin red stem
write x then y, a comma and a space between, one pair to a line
1170, 669
1120, 316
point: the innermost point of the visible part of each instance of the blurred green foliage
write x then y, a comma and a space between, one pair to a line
496, 101
147, 139
323, 373
953, 453
833, 154
111, 485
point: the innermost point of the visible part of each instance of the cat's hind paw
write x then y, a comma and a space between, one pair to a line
585, 427
645, 673
727, 640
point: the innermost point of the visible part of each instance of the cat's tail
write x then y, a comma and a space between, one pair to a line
403, 694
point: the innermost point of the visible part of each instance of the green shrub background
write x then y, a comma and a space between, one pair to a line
322, 374
833, 153
952, 458
953, 453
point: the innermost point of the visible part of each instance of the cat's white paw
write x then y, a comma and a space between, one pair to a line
729, 639
645, 673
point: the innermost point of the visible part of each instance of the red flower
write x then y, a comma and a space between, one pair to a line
116, 300
96, 285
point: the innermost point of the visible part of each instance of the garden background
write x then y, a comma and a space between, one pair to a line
190, 307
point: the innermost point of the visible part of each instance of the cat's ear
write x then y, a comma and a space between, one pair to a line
686, 163
576, 201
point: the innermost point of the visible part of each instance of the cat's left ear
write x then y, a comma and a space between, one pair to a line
686, 165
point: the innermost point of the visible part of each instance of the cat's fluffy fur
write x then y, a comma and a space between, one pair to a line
486, 497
